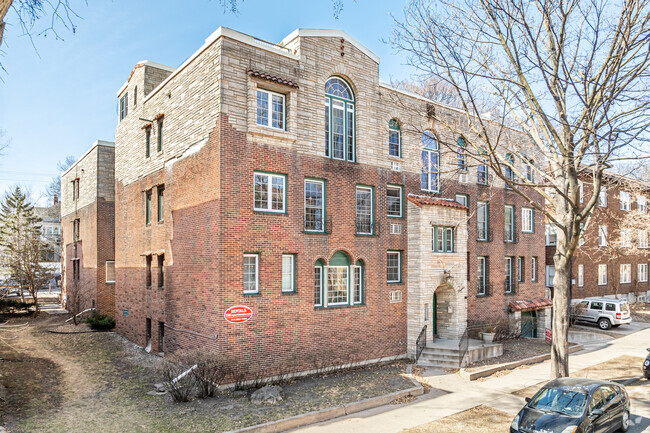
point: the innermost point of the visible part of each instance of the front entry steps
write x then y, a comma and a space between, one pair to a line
443, 353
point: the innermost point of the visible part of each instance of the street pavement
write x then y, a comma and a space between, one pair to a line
452, 394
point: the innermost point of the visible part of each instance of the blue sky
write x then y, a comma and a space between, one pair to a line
58, 104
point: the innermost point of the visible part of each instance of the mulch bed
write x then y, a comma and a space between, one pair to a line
514, 350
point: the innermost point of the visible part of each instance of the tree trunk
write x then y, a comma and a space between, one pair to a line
561, 313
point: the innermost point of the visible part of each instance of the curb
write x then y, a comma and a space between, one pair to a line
510, 365
334, 412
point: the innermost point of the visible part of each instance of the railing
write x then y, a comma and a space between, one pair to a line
317, 226
484, 235
420, 343
367, 227
484, 289
510, 287
463, 345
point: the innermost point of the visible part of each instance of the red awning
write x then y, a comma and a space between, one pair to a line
530, 304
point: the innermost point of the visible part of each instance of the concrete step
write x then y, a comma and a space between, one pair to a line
440, 356
442, 351
437, 364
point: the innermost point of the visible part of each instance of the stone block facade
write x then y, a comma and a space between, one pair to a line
88, 231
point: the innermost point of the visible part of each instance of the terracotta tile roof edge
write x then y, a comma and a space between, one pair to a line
530, 304
270, 77
146, 125
420, 200
159, 116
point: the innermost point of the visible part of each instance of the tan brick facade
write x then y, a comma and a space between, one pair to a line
211, 147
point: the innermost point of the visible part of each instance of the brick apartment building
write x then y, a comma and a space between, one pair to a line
287, 179
88, 231
612, 257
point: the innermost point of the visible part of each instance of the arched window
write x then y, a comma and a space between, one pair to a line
460, 154
319, 266
528, 168
339, 120
510, 162
394, 139
430, 180
482, 170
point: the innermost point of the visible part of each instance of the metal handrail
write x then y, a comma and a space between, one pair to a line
463, 345
420, 343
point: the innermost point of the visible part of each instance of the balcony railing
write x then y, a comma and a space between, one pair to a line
367, 227
483, 234
317, 225
509, 234
510, 286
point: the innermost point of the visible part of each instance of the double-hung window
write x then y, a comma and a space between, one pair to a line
509, 173
463, 199
602, 197
339, 120
394, 139
581, 275
288, 273
147, 210
124, 106
509, 283
160, 135
624, 198
269, 192
430, 177
509, 224
602, 236
338, 284
251, 273
626, 273
602, 275
270, 109
520, 269
482, 170
394, 267
533, 269
527, 220
318, 283
642, 273
442, 239
161, 271
642, 204
626, 239
643, 239
161, 213
482, 276
551, 234
461, 154
394, 201
528, 170
314, 205
482, 221
365, 211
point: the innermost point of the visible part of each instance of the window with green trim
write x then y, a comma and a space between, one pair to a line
270, 109
394, 200
314, 205
124, 106
147, 209
147, 142
319, 266
394, 139
160, 135
461, 154
520, 269
339, 120
357, 292
482, 221
340, 283
269, 192
364, 210
509, 224
443, 239
251, 273
161, 193
430, 177
288, 273
509, 284
527, 220
394, 267
508, 171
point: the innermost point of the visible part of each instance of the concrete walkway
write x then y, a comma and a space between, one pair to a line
452, 394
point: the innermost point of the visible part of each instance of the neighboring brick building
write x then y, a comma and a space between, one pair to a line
288, 179
612, 258
88, 230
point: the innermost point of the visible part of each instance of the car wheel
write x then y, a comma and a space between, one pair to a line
625, 422
604, 323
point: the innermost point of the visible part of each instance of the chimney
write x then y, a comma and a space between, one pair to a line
55, 200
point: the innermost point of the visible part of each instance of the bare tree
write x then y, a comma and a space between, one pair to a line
572, 75
54, 187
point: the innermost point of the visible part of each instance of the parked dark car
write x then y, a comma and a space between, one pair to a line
575, 405
646, 365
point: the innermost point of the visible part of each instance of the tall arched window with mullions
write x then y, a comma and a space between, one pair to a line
339, 120
430, 180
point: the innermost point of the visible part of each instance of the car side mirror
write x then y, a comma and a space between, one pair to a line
648, 349
527, 399
596, 412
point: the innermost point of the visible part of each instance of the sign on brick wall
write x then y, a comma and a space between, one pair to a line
238, 314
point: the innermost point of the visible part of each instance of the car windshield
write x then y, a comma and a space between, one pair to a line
562, 401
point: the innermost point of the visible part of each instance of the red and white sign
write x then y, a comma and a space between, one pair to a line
549, 335
238, 314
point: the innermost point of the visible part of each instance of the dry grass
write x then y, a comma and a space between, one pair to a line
640, 312
480, 419
618, 369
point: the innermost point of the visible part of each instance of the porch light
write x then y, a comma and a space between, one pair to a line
448, 279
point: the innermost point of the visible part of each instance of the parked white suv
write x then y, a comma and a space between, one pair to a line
606, 312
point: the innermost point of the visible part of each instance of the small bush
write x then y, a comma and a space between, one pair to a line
180, 390
8, 304
211, 368
100, 322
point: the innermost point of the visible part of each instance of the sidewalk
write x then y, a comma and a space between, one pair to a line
457, 395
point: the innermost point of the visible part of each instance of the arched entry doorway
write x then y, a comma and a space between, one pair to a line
446, 320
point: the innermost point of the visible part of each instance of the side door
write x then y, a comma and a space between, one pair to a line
614, 406
597, 422
595, 308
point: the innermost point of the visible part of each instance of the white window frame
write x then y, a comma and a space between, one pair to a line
257, 273
581, 240
464, 200
486, 222
602, 275
642, 272
372, 209
321, 272
398, 133
326, 286
322, 208
509, 210
269, 192
625, 201
533, 268
527, 220
626, 238
509, 272
625, 271
602, 236
401, 204
581, 275
353, 284
269, 109
482, 289
107, 280
399, 266
291, 273
602, 197
551, 230
642, 204
643, 239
